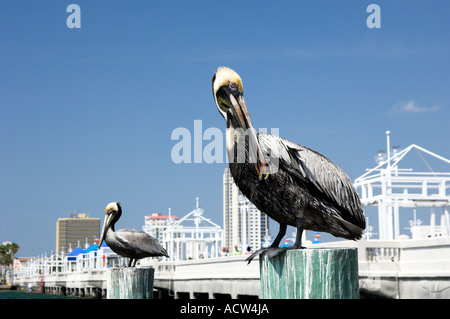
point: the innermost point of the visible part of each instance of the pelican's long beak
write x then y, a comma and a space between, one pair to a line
235, 100
106, 224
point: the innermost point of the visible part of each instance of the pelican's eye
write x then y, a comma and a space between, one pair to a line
233, 86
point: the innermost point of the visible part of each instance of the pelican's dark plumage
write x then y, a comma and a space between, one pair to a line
291, 183
128, 243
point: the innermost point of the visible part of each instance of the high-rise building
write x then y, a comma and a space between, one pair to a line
75, 230
243, 224
156, 224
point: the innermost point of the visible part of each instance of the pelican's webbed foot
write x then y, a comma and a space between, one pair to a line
270, 252
278, 250
274, 250
257, 253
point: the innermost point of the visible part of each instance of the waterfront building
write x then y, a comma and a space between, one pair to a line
75, 229
192, 237
156, 224
244, 225
394, 191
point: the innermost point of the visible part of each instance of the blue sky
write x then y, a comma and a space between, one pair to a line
86, 115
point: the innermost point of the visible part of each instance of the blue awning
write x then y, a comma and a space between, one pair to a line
93, 247
72, 256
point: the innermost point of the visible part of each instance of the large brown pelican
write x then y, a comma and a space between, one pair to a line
291, 183
128, 243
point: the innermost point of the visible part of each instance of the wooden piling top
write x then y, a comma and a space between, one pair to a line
313, 273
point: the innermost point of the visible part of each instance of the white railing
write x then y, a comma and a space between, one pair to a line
55, 264
406, 185
382, 254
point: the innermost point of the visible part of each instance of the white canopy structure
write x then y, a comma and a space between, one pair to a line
390, 187
192, 237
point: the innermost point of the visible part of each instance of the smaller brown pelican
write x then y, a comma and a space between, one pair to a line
128, 242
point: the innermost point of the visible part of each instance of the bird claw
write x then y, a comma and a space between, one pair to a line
256, 253
275, 252
278, 250
270, 252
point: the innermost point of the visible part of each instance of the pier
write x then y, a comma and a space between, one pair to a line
387, 268
394, 266
215, 278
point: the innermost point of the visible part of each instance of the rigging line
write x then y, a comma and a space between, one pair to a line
426, 163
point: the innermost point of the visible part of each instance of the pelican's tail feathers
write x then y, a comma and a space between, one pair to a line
352, 231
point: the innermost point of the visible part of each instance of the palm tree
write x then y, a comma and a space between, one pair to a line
7, 252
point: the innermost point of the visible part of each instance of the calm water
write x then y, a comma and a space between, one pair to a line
16, 294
